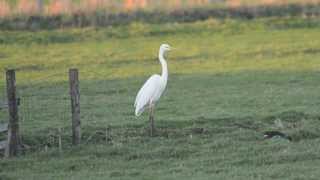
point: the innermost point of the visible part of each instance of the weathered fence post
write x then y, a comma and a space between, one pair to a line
75, 105
60, 140
13, 143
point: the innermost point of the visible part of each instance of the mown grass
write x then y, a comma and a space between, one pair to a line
229, 82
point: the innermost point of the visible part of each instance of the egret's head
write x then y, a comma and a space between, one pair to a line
165, 47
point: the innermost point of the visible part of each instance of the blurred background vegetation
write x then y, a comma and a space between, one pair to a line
52, 14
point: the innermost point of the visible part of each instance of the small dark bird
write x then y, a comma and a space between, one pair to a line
197, 130
271, 134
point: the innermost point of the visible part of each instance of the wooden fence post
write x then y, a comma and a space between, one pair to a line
75, 105
60, 140
13, 143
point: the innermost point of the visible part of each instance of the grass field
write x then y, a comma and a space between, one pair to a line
229, 81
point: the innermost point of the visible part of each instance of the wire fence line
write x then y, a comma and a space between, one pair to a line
43, 98
44, 108
46, 104
46, 111
3, 101
4, 116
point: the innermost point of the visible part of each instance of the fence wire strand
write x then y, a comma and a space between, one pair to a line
44, 104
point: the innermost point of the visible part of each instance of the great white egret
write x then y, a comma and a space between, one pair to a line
152, 89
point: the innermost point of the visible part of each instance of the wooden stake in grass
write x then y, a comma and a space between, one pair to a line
108, 134
13, 145
75, 105
46, 148
60, 140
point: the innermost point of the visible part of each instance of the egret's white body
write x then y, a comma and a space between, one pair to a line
153, 88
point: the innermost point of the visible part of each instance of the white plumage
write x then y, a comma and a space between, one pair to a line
148, 93
153, 88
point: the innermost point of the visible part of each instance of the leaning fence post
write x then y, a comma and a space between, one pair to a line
75, 105
13, 143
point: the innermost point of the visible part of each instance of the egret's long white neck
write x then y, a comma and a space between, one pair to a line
164, 66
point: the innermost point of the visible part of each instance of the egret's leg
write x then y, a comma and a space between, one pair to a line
152, 122
151, 118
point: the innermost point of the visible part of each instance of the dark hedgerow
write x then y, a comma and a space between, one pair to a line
103, 19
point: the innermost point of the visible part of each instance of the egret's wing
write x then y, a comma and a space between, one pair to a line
146, 93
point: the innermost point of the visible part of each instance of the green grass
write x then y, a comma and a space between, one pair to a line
232, 78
